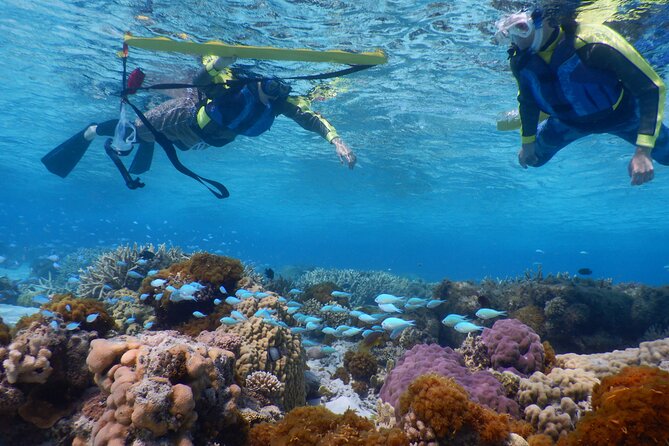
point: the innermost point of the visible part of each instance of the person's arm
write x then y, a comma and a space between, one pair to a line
213, 71
601, 47
529, 112
297, 108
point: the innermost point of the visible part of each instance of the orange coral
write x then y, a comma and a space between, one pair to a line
444, 406
550, 360
209, 268
629, 409
540, 440
317, 426
439, 402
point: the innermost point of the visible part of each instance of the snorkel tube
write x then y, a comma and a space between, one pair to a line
537, 18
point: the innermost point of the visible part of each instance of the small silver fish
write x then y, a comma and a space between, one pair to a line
489, 313
340, 294
467, 327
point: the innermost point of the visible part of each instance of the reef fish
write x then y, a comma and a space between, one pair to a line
467, 327
452, 319
389, 308
434, 303
148, 324
231, 300
222, 289
199, 314
92, 317
585, 271
340, 294
228, 320
387, 299
396, 326
72, 326
489, 313
158, 282
41, 299
295, 291
135, 275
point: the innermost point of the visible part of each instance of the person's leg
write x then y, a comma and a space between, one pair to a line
552, 136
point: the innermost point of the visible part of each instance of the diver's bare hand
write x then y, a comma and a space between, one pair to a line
344, 152
640, 168
526, 155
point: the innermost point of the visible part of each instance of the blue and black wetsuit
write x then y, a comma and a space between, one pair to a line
589, 80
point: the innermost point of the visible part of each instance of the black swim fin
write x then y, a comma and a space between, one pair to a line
142, 161
65, 157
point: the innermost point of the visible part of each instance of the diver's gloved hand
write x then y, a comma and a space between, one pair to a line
527, 156
640, 168
344, 152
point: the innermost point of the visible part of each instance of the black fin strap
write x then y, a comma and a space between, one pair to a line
132, 183
219, 190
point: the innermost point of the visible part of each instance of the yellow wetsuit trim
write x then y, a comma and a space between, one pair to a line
202, 117
528, 139
589, 34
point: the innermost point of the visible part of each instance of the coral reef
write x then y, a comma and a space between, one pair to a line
5, 337
514, 347
317, 426
365, 285
113, 270
437, 410
209, 271
361, 365
72, 309
630, 408
264, 385
482, 386
162, 387
270, 348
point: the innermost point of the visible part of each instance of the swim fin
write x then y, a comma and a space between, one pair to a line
65, 157
142, 161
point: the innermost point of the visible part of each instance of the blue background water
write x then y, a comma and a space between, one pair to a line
437, 193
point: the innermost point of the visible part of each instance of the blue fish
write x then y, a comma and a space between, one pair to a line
121, 263
72, 280
68, 307
130, 320
340, 294
54, 325
434, 303
142, 262
467, 327
92, 317
231, 300
47, 313
41, 299
112, 300
326, 349
295, 291
152, 272
128, 299
158, 296
228, 320
217, 301
489, 313
135, 275
260, 294
143, 297
222, 289
71, 326
297, 330
148, 324
199, 314
238, 315
107, 287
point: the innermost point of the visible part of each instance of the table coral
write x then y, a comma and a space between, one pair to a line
481, 386
513, 346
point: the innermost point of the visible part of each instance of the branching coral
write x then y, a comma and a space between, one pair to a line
317, 426
113, 270
264, 384
630, 409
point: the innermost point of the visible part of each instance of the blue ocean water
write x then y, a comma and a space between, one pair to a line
437, 192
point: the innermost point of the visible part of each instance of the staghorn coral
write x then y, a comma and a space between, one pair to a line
629, 409
110, 270
365, 285
163, 387
317, 426
444, 409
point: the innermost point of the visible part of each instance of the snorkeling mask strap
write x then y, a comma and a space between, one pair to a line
538, 21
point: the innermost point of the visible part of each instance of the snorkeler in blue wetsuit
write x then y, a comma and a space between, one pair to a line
588, 79
228, 103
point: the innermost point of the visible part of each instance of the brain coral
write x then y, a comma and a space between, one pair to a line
514, 347
482, 386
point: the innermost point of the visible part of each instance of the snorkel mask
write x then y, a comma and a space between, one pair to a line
275, 88
520, 26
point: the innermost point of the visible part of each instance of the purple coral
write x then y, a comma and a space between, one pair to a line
514, 347
482, 386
